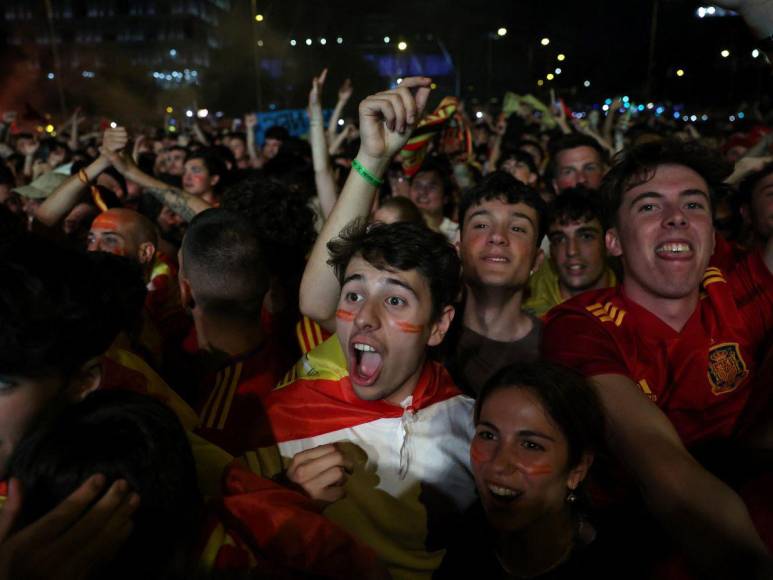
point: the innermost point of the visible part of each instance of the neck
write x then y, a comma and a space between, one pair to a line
541, 547
567, 293
433, 220
675, 312
226, 339
496, 313
408, 387
208, 196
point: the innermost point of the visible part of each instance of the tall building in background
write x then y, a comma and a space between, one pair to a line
170, 40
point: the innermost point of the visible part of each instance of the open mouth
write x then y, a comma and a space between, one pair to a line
670, 250
575, 268
365, 363
496, 259
503, 494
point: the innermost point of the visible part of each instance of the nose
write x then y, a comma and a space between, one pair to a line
366, 318
497, 236
571, 246
504, 460
675, 217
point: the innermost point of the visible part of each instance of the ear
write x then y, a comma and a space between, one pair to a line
578, 473
186, 293
147, 252
533, 177
612, 240
213, 180
539, 257
85, 380
441, 326
458, 243
554, 183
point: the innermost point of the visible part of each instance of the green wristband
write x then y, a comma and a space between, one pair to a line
367, 175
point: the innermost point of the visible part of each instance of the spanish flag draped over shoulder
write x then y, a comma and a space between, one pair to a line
446, 119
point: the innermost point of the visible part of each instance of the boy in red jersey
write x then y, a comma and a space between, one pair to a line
678, 334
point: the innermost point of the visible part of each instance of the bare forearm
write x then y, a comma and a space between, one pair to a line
66, 196
319, 286
336, 143
174, 199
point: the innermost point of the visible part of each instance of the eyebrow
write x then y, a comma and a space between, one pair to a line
393, 281
513, 214
656, 195
530, 433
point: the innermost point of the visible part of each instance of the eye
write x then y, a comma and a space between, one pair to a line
694, 205
646, 207
6, 385
588, 236
353, 297
519, 229
531, 445
479, 226
396, 301
485, 434
592, 167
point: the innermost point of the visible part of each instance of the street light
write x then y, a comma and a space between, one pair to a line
402, 45
502, 31
680, 73
545, 41
293, 42
386, 40
550, 76
725, 53
561, 57
755, 53
258, 18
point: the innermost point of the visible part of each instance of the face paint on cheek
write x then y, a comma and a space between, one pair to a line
408, 327
344, 315
478, 454
537, 469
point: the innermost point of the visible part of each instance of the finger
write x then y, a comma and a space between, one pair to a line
114, 533
322, 77
398, 107
415, 82
67, 512
379, 107
312, 453
409, 103
113, 504
11, 508
309, 470
422, 96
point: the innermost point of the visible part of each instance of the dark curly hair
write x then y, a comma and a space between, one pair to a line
638, 164
501, 185
121, 435
403, 246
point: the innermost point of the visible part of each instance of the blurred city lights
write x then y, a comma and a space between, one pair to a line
402, 45
502, 31
545, 41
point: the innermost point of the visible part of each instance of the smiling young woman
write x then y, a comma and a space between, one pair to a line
537, 429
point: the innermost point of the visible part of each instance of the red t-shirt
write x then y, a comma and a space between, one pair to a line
701, 377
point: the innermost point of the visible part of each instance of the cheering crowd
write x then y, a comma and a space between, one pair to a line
534, 343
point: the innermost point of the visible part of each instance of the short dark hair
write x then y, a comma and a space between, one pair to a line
212, 160
573, 141
223, 261
576, 204
638, 164
277, 132
567, 397
520, 156
747, 185
54, 313
501, 185
402, 246
121, 435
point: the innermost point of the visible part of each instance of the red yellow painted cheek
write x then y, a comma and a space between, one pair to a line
408, 327
344, 315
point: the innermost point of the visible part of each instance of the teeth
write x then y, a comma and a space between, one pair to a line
502, 491
576, 267
492, 259
673, 248
364, 347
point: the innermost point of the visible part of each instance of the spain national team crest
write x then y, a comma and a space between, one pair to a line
727, 368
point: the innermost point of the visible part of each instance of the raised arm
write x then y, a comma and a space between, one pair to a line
386, 122
344, 94
323, 174
66, 196
182, 203
704, 515
250, 120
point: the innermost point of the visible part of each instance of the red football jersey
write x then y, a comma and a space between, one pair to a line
700, 377
232, 398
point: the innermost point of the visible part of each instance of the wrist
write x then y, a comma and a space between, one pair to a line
376, 166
